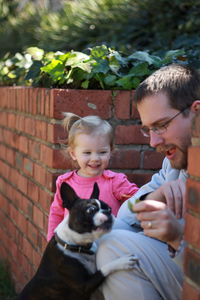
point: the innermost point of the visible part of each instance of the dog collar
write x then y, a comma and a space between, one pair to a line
75, 248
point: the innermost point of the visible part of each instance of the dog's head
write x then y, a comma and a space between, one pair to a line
86, 215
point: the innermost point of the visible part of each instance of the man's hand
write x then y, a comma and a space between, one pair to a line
173, 194
159, 222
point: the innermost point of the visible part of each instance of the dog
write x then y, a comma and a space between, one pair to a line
67, 269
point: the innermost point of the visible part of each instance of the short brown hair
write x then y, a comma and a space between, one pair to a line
181, 84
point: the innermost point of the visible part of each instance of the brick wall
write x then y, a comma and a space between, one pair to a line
192, 229
30, 161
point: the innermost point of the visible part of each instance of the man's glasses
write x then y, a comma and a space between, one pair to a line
160, 129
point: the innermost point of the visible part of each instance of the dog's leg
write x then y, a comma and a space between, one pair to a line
121, 263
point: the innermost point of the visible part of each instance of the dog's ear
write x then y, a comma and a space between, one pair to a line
95, 192
68, 195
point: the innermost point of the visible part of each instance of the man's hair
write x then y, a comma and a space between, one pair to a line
181, 84
93, 125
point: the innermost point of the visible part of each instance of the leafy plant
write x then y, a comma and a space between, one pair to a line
101, 68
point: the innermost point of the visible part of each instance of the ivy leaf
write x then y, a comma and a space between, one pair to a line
140, 69
34, 70
85, 84
110, 80
145, 57
99, 52
35, 52
55, 69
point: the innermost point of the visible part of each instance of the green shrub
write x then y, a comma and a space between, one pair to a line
126, 25
101, 68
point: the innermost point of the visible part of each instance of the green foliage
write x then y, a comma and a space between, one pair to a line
102, 68
6, 286
125, 25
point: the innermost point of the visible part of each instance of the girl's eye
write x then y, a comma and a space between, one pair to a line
87, 152
103, 152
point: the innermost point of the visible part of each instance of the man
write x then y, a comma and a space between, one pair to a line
167, 102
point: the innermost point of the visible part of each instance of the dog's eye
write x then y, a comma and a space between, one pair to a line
91, 209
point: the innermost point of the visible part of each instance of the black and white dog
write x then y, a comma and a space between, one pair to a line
67, 269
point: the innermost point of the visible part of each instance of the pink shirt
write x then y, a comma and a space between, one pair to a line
114, 190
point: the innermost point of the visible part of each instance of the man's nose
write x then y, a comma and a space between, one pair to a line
155, 139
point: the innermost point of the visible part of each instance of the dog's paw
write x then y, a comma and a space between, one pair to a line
126, 262
121, 263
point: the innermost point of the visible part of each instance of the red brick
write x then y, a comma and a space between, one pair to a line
38, 217
28, 167
3, 118
33, 191
139, 178
192, 265
135, 113
40, 174
152, 160
32, 233
34, 149
49, 180
36, 258
23, 144
125, 159
10, 156
82, 102
46, 155
26, 207
122, 104
129, 134
40, 101
48, 103
56, 134
22, 223
20, 123
11, 121
61, 160
3, 149
45, 199
192, 230
41, 129
27, 249
190, 292
194, 161
23, 184
193, 195
30, 126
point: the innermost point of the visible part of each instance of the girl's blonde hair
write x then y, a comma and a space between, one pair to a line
74, 125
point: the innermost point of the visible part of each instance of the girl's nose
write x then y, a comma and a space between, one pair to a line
155, 139
94, 156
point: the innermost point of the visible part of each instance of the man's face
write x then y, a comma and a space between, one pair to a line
154, 111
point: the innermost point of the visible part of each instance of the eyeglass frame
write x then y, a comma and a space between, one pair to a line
162, 128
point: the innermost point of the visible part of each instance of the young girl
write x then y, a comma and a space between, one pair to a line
90, 143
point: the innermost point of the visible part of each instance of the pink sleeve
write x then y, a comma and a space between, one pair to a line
123, 188
56, 213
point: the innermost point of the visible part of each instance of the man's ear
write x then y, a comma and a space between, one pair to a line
195, 106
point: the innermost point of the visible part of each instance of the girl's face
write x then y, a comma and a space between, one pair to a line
92, 153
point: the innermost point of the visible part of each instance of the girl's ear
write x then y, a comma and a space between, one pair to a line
71, 153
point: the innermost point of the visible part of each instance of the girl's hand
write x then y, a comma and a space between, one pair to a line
159, 222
